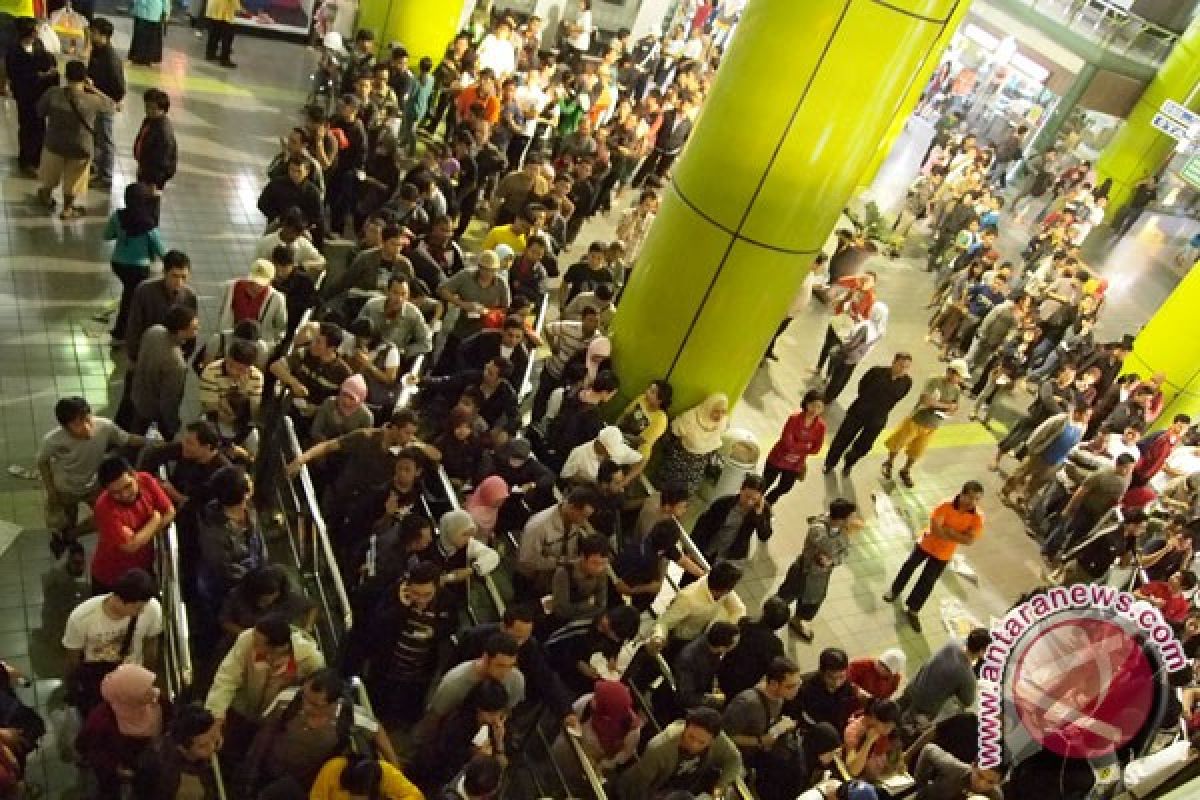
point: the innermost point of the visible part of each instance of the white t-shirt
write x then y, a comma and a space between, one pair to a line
303, 250
582, 464
99, 636
1184, 461
583, 39
532, 99
498, 54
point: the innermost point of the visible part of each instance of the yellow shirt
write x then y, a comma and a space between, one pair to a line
394, 785
222, 10
503, 234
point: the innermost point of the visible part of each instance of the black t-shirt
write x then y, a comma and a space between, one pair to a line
580, 277
366, 464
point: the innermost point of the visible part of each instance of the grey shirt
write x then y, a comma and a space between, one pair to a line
407, 330
751, 713
941, 776
456, 684
946, 674
73, 462
71, 120
158, 378
466, 286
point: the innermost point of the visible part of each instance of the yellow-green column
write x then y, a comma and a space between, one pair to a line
920, 80
1168, 344
424, 27
1139, 149
788, 128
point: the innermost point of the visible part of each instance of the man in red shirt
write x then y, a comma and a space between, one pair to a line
130, 512
1170, 596
878, 677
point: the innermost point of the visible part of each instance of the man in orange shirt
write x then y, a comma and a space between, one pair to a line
956, 522
483, 92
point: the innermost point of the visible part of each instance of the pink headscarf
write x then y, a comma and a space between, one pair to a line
484, 503
130, 693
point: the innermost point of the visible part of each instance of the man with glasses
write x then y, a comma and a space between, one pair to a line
130, 513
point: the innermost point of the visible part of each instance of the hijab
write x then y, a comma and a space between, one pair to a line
454, 531
137, 217
484, 503
598, 351
696, 429
612, 715
130, 693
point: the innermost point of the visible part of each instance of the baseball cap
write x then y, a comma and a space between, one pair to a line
614, 442
959, 365
895, 660
262, 272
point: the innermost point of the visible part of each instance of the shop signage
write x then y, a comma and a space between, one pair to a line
1178, 112
1191, 172
1170, 126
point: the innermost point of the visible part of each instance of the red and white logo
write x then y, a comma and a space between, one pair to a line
1084, 687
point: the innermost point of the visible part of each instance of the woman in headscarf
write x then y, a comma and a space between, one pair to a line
138, 245
695, 435
460, 555
609, 732
484, 505
344, 413
598, 357
149, 20
854, 348
117, 730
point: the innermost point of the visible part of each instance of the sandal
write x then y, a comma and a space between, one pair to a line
886, 469
906, 478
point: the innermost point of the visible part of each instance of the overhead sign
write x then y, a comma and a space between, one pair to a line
1170, 126
1181, 113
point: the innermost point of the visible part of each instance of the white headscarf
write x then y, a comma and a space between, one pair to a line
697, 430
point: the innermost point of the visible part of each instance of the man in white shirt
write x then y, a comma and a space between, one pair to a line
496, 51
583, 464
697, 606
294, 233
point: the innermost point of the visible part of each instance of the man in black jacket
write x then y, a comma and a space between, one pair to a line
672, 136
295, 190
341, 181
879, 390
107, 74
723, 531
758, 643
480, 348
154, 147
31, 71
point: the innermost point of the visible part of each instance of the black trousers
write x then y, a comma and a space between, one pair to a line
793, 586
839, 375
855, 437
31, 133
786, 480
1015, 439
931, 569
778, 332
220, 40
831, 341
131, 276
657, 163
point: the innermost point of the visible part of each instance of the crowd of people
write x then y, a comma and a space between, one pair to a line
415, 356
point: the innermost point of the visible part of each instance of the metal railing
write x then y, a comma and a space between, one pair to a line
538, 326
176, 650
1116, 28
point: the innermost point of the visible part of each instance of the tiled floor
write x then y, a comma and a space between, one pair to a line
55, 277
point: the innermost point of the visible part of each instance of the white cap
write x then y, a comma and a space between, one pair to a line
895, 660
618, 452
262, 272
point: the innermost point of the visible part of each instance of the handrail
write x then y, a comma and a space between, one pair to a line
589, 769
538, 325
321, 532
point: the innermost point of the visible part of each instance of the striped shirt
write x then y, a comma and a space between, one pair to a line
569, 339
228, 397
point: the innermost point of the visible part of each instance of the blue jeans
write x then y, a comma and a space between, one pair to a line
102, 161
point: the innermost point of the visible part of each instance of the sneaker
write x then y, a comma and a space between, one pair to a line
227, 64
801, 628
886, 469
906, 478
913, 619
828, 469
846, 470
888, 597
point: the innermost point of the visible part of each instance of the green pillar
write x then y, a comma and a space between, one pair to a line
778, 149
1139, 149
1168, 344
1047, 135
916, 87
425, 27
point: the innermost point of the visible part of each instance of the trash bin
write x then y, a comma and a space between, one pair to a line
738, 457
